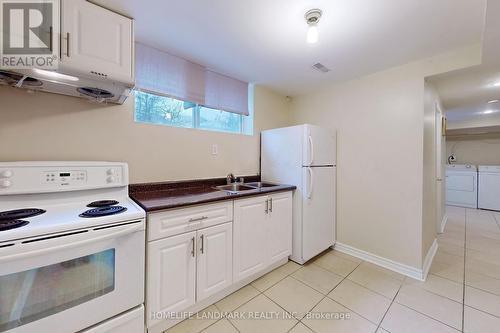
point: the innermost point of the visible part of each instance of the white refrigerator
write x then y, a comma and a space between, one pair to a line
304, 156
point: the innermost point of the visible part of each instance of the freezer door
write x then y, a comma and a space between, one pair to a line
319, 146
318, 210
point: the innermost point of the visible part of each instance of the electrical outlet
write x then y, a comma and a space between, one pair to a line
215, 150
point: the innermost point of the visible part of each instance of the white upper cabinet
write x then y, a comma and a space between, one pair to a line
96, 41
214, 260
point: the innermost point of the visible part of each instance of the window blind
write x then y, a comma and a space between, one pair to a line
159, 72
225, 93
162, 73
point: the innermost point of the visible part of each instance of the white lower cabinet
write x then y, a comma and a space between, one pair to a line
171, 275
185, 269
249, 235
262, 233
214, 260
200, 261
279, 226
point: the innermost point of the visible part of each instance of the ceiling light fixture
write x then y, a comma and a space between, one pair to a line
489, 111
493, 101
496, 84
55, 75
312, 17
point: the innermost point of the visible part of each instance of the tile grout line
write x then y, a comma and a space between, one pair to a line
376, 292
428, 316
392, 302
325, 296
258, 293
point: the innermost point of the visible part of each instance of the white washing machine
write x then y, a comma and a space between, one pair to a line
461, 185
489, 187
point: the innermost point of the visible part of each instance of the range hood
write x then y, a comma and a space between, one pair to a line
102, 91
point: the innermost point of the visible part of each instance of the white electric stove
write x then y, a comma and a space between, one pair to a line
72, 250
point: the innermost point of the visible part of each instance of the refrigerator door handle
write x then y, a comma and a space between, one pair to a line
311, 150
311, 182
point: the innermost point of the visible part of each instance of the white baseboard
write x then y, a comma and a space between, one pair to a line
443, 223
429, 258
392, 265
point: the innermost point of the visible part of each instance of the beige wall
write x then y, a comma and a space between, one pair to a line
380, 126
52, 127
433, 164
477, 150
429, 199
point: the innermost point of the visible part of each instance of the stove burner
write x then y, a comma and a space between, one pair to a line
103, 203
12, 224
9, 215
103, 211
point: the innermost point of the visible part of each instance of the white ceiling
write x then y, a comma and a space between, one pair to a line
465, 93
263, 41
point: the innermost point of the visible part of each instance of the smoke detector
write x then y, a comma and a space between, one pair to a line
312, 17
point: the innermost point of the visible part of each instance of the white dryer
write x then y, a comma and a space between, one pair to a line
489, 187
461, 185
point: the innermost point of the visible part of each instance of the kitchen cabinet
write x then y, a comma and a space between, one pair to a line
262, 233
96, 41
198, 254
171, 274
200, 261
178, 221
214, 260
279, 226
250, 217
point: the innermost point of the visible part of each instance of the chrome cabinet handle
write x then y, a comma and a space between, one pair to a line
192, 247
51, 35
202, 238
271, 205
198, 219
67, 44
267, 206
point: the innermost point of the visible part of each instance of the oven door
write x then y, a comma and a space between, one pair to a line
67, 282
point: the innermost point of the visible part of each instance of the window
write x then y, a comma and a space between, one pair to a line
162, 110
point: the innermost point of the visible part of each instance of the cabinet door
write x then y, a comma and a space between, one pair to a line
214, 260
250, 248
96, 41
171, 275
279, 235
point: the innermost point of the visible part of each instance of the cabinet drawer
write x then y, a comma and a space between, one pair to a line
177, 221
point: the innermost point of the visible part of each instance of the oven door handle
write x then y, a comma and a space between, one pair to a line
37, 252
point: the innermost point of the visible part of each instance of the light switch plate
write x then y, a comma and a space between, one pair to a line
215, 150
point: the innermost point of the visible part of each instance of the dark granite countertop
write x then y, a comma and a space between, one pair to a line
166, 195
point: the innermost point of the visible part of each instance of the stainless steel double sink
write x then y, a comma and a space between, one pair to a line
236, 188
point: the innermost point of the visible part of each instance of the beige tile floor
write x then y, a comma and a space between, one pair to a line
461, 293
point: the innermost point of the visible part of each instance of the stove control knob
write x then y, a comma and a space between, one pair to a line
5, 183
110, 179
110, 172
6, 174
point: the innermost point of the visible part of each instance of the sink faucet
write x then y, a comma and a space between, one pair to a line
230, 178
